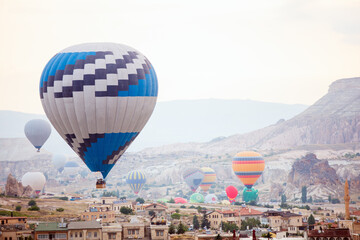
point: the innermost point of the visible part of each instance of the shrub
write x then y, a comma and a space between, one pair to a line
175, 216
18, 208
60, 209
34, 208
182, 206
32, 203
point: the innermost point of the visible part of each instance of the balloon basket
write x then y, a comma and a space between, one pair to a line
100, 183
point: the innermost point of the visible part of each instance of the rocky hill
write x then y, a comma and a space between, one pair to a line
333, 119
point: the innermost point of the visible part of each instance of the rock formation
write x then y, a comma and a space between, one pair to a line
311, 171
14, 188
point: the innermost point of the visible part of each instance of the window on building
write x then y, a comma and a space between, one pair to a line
76, 234
6, 238
89, 235
42, 236
71, 235
60, 235
112, 235
95, 234
80, 234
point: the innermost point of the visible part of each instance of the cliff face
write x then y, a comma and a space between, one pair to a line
311, 171
14, 188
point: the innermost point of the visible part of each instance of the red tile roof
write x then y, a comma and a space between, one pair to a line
249, 212
338, 232
356, 213
156, 204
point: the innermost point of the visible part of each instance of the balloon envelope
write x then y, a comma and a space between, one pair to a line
248, 167
196, 198
180, 200
136, 180
37, 131
231, 193
209, 178
99, 96
193, 177
211, 198
59, 161
36, 180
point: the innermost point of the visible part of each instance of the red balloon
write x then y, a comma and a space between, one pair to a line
180, 200
231, 193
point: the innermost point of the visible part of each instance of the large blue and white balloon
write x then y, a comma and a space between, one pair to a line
99, 96
37, 131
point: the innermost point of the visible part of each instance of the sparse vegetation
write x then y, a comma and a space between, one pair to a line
18, 208
176, 216
251, 223
182, 228
229, 226
172, 229
34, 208
140, 200
60, 209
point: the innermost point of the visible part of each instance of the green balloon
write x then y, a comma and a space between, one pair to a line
250, 195
197, 198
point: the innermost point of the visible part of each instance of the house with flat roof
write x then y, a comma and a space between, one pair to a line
51, 230
85, 230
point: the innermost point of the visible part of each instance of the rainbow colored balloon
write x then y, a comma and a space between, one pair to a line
248, 167
209, 178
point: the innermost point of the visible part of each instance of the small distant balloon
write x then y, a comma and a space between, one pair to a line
248, 167
36, 180
193, 178
231, 193
59, 161
37, 131
209, 179
211, 198
136, 180
196, 198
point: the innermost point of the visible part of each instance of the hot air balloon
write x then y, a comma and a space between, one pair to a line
180, 200
37, 131
248, 167
36, 180
231, 193
196, 198
209, 178
211, 198
59, 161
136, 180
193, 177
99, 96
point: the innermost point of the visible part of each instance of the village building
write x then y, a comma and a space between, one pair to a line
216, 217
330, 234
283, 221
246, 213
84, 230
51, 230
13, 228
157, 208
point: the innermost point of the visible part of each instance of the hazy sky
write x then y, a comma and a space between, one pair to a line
279, 51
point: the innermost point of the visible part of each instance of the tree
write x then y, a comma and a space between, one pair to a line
177, 210
205, 222
181, 228
18, 208
283, 199
182, 206
171, 200
311, 220
303, 194
229, 227
176, 216
251, 223
151, 213
196, 223
329, 198
310, 199
32, 203
126, 210
60, 209
171, 229
335, 201
140, 200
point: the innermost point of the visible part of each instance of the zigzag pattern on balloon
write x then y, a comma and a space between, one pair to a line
99, 96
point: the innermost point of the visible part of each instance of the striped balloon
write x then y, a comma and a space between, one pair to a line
136, 180
209, 179
248, 167
193, 177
